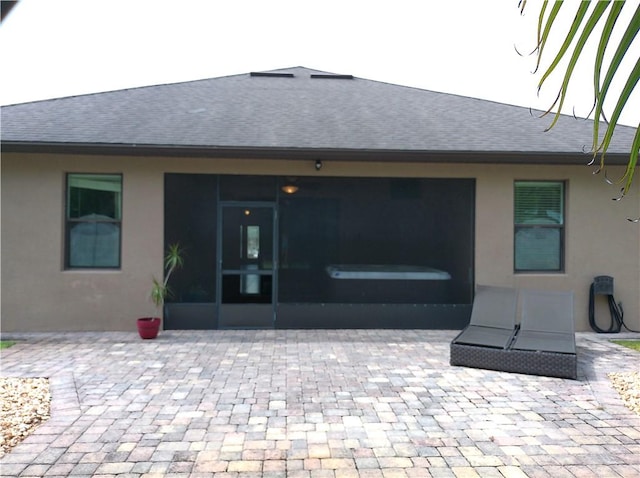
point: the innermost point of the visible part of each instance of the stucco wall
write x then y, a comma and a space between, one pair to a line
38, 295
599, 240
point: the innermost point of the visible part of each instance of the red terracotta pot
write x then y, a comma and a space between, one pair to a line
148, 327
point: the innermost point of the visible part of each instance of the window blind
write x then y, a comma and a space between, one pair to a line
538, 202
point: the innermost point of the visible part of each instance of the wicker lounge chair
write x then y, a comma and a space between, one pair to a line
490, 331
545, 343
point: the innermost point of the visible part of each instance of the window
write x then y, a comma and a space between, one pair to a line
539, 226
93, 221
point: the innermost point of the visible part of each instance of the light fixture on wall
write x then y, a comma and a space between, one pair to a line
318, 165
289, 185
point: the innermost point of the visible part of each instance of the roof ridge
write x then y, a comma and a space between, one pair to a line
170, 83
130, 88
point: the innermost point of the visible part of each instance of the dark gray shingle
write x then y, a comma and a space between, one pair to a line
244, 111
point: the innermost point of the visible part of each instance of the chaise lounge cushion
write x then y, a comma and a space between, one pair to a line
493, 318
547, 322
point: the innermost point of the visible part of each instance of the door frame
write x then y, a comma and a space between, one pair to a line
220, 271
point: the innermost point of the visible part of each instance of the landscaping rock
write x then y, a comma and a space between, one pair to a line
628, 386
24, 404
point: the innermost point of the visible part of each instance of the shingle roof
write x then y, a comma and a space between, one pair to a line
295, 108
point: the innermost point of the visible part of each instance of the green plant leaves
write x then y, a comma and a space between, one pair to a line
158, 292
583, 31
173, 260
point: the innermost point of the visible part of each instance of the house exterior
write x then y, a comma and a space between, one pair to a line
301, 199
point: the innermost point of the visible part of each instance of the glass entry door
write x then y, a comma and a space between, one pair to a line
247, 266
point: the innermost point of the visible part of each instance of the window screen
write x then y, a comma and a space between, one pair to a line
377, 240
93, 220
190, 217
539, 226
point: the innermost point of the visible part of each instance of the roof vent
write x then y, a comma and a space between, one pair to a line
333, 77
271, 75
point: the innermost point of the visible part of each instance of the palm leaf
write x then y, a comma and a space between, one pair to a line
542, 38
633, 160
597, 13
601, 89
580, 14
616, 8
632, 81
625, 42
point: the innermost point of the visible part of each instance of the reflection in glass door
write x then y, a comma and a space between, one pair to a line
246, 270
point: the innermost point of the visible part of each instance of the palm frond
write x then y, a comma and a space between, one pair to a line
601, 86
623, 46
631, 83
543, 35
616, 8
597, 13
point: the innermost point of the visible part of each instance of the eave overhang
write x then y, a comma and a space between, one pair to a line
488, 157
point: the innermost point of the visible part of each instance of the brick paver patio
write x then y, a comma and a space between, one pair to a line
315, 404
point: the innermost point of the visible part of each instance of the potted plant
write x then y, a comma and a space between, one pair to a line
148, 326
